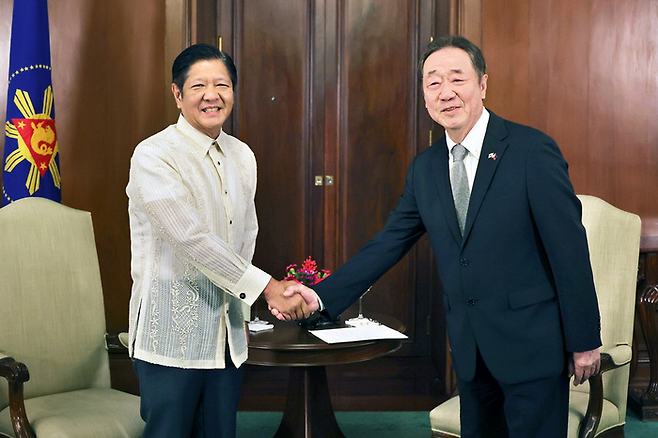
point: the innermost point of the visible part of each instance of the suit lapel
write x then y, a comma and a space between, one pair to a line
492, 153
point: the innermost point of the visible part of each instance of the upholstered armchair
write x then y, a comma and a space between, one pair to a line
597, 408
52, 329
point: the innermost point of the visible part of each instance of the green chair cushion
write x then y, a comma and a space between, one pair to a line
97, 413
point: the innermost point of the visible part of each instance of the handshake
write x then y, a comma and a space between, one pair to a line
288, 300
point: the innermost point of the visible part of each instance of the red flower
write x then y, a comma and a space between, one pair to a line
308, 275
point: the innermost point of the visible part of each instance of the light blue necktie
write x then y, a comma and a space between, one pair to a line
461, 192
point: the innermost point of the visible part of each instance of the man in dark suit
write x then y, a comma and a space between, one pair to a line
519, 296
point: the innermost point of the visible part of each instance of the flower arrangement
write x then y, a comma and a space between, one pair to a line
308, 274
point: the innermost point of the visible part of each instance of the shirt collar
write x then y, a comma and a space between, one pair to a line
200, 141
475, 138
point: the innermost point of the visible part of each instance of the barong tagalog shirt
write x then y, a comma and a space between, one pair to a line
193, 233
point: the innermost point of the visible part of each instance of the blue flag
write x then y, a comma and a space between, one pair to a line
31, 159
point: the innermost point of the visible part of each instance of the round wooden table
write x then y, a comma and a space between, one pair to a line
308, 412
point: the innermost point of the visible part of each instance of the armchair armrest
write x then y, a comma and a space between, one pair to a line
16, 374
117, 343
614, 358
619, 355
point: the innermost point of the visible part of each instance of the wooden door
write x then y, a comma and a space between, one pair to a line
329, 101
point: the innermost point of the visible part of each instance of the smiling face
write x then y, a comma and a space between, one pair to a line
453, 93
206, 100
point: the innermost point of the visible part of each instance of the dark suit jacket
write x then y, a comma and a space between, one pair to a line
519, 284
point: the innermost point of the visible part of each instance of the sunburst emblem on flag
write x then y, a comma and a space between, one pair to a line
37, 139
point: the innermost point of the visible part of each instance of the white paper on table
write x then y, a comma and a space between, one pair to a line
260, 326
353, 334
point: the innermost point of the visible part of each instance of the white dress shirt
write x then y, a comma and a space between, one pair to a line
473, 144
193, 233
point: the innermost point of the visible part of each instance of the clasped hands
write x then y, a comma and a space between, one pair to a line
288, 300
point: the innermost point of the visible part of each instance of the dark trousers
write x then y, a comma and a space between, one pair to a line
189, 403
536, 409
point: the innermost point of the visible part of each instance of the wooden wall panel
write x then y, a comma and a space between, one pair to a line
584, 73
507, 61
378, 137
273, 118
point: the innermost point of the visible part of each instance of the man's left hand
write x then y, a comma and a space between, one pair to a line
584, 365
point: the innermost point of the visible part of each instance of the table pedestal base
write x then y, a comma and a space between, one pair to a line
308, 412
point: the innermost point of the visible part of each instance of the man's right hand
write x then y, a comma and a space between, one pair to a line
286, 307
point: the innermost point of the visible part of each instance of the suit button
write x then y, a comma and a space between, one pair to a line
243, 295
470, 302
463, 262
